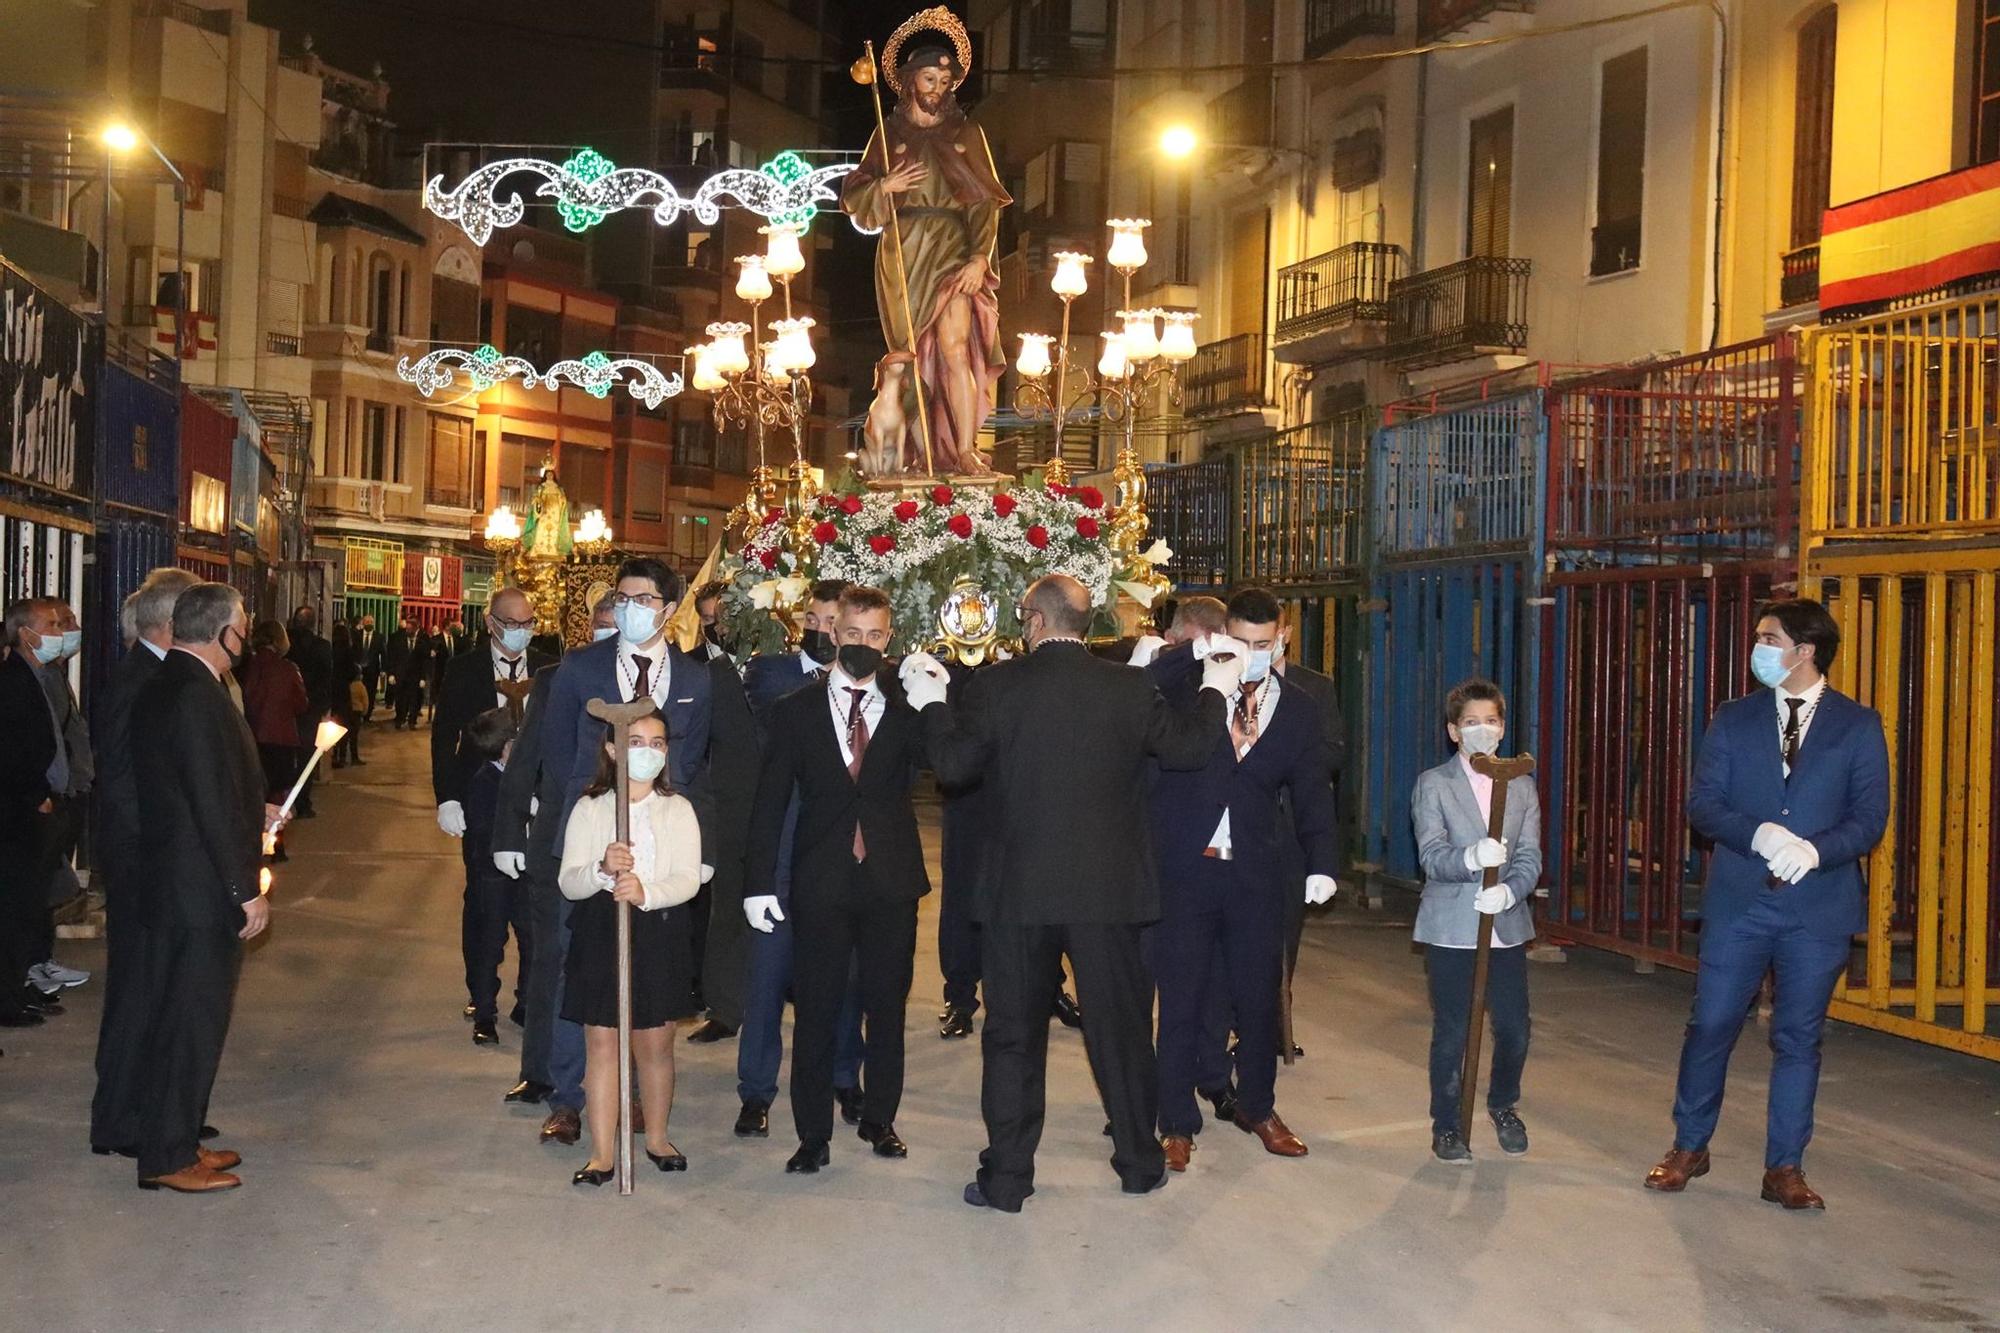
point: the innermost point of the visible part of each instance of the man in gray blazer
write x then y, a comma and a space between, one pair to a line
1450, 808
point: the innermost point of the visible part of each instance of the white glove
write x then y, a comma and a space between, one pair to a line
763, 912
1320, 889
451, 818
1199, 646
1224, 676
510, 864
1794, 860
1146, 649
1000, 653
707, 872
1493, 901
1486, 854
924, 680
1770, 837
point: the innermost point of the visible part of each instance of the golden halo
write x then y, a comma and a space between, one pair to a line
935, 19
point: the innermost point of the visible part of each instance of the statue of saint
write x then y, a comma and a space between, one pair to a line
546, 534
937, 171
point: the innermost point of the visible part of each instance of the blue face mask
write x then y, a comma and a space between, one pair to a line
603, 632
72, 640
514, 640
645, 763
1259, 665
48, 648
1767, 664
637, 624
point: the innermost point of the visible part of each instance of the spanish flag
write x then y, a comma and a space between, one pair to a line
1911, 241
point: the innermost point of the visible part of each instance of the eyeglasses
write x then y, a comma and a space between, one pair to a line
513, 624
646, 599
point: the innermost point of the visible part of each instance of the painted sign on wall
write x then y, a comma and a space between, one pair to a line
46, 365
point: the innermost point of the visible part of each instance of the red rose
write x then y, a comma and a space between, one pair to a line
940, 495
828, 501
1056, 488
1004, 504
905, 511
1086, 526
960, 525
768, 559
1038, 536
824, 533
773, 516
1090, 497
881, 544
851, 505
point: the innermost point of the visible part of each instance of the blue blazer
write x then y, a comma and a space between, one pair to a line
1837, 799
571, 737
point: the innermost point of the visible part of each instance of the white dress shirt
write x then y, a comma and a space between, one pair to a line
1265, 693
1811, 694
155, 649
657, 671
507, 668
873, 705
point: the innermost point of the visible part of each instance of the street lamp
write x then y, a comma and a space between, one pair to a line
121, 138
1179, 141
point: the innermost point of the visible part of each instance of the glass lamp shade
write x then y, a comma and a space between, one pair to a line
1142, 339
1070, 280
503, 525
753, 282
791, 345
1177, 342
706, 378
592, 528
1128, 244
1111, 363
729, 353
773, 363
1033, 362
782, 256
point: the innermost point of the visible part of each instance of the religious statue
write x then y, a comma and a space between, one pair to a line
926, 180
546, 535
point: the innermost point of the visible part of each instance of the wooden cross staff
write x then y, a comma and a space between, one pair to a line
1502, 772
621, 717
516, 693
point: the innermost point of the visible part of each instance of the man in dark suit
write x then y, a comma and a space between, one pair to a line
313, 656
114, 1110
201, 818
1065, 741
1792, 784
733, 757
850, 753
32, 772
499, 677
396, 651
368, 658
1217, 830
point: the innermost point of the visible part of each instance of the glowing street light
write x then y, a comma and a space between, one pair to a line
1179, 141
120, 137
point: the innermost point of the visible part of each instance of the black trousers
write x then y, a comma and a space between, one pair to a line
1218, 908
121, 1032
26, 863
409, 697
725, 955
1023, 965
543, 965
958, 943
493, 902
833, 926
191, 983
1450, 972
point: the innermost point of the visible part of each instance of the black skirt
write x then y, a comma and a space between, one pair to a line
662, 965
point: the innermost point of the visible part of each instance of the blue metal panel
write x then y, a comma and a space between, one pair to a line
1463, 481
138, 442
127, 549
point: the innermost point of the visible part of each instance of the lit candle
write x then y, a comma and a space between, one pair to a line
753, 284
1111, 364
1177, 343
1142, 341
1128, 244
1070, 281
1033, 362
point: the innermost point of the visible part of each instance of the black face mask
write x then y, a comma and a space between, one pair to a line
818, 645
236, 654
860, 661
713, 633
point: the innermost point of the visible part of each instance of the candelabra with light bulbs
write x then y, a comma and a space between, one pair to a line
503, 538
591, 538
1139, 358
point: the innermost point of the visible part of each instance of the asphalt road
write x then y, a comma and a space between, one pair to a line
387, 1187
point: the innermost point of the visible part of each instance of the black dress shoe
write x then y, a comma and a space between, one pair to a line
1147, 1187
484, 1032
107, 1150
808, 1160
1223, 1099
471, 1012
1066, 1012
672, 1161
592, 1176
209, 1132
977, 1198
46, 1005
753, 1121
709, 1030
955, 1023
21, 1018
851, 1101
518, 1016
527, 1093
883, 1139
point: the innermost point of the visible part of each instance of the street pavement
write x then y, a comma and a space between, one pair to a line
387, 1187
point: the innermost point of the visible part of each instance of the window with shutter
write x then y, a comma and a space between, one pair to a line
1986, 82
1812, 125
1489, 189
1621, 163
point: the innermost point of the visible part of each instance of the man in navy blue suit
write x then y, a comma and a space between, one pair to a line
1223, 879
1792, 784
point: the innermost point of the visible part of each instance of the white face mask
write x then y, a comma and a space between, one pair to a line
1258, 667
1479, 738
645, 763
637, 624
603, 632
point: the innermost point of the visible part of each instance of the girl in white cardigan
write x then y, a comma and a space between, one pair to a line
658, 872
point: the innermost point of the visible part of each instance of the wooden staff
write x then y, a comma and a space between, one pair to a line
1502, 772
867, 71
621, 717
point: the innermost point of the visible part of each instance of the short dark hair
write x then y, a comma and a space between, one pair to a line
1254, 606
1476, 690
488, 733
827, 590
861, 597
709, 591
1807, 621
646, 567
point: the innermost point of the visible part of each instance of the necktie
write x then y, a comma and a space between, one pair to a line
644, 688
1791, 742
1243, 725
514, 669
857, 746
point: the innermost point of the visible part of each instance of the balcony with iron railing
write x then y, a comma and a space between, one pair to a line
1475, 307
1227, 377
1332, 24
1190, 507
1798, 277
1446, 18
1335, 302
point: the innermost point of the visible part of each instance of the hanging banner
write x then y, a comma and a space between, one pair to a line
433, 585
1911, 242
46, 368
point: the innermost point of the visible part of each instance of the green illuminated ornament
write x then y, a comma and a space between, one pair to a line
786, 169
484, 368
587, 165
597, 382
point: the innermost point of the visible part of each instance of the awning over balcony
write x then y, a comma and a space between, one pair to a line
1921, 240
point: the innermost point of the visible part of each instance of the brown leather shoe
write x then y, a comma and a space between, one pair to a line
218, 1159
193, 1179
1277, 1139
1178, 1149
1787, 1185
564, 1125
1676, 1169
